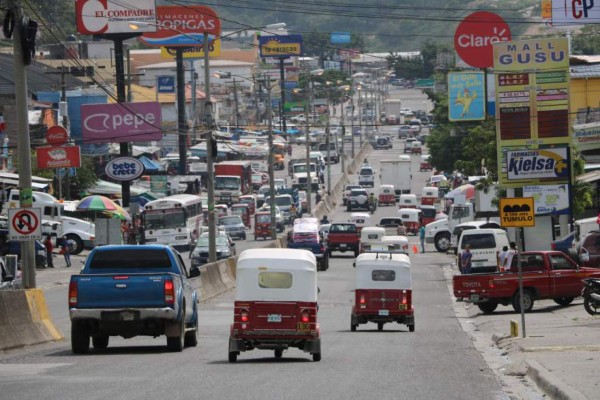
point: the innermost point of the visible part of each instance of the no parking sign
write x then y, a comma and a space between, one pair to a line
25, 224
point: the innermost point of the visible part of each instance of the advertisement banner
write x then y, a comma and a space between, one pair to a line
550, 164
58, 157
165, 84
466, 96
548, 199
280, 46
586, 136
121, 122
115, 16
475, 35
194, 52
183, 26
340, 38
532, 54
574, 12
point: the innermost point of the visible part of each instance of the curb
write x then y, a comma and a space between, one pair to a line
550, 384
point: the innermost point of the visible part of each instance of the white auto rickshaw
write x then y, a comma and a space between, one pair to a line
383, 291
360, 219
387, 195
370, 235
398, 243
275, 303
408, 201
411, 218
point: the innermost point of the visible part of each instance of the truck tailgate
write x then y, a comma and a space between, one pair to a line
121, 291
467, 285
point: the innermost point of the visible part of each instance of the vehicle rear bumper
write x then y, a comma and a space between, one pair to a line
246, 342
407, 318
165, 313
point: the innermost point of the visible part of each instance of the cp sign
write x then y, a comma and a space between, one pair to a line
475, 36
575, 12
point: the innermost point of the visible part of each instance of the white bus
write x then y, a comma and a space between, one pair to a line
171, 220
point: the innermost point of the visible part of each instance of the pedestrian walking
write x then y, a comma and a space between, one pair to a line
422, 237
465, 260
49, 248
66, 250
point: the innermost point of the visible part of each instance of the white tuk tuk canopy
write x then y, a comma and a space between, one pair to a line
369, 264
256, 266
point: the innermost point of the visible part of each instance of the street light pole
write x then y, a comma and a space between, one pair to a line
343, 156
212, 234
271, 169
235, 100
327, 141
360, 116
308, 173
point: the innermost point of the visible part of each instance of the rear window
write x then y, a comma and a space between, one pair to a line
275, 280
382, 275
390, 222
366, 171
343, 228
480, 241
131, 259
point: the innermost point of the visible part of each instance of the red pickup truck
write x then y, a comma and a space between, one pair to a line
546, 275
343, 237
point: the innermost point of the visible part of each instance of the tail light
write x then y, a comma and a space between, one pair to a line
404, 299
244, 315
73, 294
491, 284
169, 292
362, 299
304, 316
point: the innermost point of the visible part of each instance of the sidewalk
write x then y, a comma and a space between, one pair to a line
59, 275
561, 350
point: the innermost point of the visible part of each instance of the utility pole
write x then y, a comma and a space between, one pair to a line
282, 83
181, 119
235, 100
343, 156
271, 169
194, 104
212, 231
23, 143
308, 179
352, 118
327, 141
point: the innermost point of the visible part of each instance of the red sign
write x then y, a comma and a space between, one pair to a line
183, 26
58, 157
57, 135
475, 36
25, 222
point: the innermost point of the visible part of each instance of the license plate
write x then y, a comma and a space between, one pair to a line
303, 326
343, 245
384, 313
274, 318
402, 307
474, 297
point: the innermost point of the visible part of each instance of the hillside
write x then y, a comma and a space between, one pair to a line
376, 25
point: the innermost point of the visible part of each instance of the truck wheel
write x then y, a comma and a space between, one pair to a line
175, 343
564, 301
80, 337
442, 242
100, 342
527, 301
278, 353
356, 253
488, 307
316, 357
78, 243
233, 356
380, 326
191, 337
411, 328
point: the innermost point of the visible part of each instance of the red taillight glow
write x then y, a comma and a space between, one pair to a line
362, 300
404, 299
304, 316
491, 283
553, 246
120, 277
244, 315
73, 294
169, 292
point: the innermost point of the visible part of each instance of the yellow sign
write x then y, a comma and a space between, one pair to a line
533, 54
274, 48
517, 212
193, 52
546, 9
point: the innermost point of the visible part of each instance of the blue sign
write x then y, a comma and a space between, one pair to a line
340, 38
165, 84
280, 46
466, 96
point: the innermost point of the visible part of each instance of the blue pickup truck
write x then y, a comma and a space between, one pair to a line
129, 291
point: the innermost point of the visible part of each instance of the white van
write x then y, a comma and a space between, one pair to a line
366, 176
465, 226
582, 227
333, 152
485, 244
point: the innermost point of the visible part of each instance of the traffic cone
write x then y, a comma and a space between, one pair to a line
415, 249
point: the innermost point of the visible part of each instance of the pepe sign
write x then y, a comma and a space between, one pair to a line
124, 168
517, 212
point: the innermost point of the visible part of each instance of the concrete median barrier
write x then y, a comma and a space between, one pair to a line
25, 320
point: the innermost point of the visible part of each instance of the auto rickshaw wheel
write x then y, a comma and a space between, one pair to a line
411, 328
380, 326
278, 353
233, 356
316, 357
352, 328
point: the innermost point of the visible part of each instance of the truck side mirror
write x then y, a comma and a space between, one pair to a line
584, 255
195, 272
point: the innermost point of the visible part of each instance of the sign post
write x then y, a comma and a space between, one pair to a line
518, 213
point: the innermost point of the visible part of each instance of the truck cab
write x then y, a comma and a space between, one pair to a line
439, 232
301, 177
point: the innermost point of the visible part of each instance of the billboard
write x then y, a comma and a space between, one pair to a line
340, 38
516, 212
466, 96
194, 52
121, 122
280, 46
586, 136
475, 36
115, 16
544, 164
574, 12
183, 26
548, 199
532, 100
58, 157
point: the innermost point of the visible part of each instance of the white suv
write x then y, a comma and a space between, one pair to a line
347, 191
366, 176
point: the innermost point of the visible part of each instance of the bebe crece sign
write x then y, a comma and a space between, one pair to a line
124, 122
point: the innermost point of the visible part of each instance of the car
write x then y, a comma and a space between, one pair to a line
347, 190
224, 246
366, 176
563, 243
381, 142
234, 226
358, 199
303, 200
404, 131
408, 144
